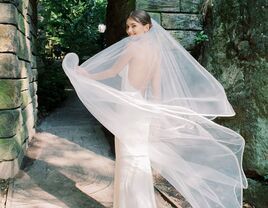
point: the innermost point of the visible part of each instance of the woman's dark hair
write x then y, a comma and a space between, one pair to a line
141, 16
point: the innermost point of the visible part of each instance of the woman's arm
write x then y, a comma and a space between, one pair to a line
96, 76
113, 71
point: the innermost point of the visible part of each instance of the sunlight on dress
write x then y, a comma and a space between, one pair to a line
159, 106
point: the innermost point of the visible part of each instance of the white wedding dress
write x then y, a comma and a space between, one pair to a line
164, 126
132, 165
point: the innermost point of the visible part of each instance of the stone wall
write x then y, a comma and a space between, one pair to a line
18, 86
237, 56
182, 18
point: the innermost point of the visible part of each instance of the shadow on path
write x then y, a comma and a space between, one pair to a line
57, 184
68, 163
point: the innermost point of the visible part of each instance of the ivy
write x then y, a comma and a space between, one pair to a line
201, 37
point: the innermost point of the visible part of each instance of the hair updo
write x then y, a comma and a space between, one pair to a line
141, 16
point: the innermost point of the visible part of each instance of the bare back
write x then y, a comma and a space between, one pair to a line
142, 67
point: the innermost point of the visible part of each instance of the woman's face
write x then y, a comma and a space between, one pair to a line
136, 28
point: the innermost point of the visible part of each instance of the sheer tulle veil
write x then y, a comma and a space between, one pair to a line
154, 79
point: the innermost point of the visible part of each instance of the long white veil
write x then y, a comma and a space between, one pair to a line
152, 78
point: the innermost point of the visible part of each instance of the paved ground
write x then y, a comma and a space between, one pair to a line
68, 164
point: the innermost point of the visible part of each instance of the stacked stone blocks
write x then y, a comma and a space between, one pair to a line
182, 18
18, 86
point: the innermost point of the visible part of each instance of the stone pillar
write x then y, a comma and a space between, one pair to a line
182, 18
18, 86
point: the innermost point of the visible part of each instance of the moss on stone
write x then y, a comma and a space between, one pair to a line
236, 56
9, 66
191, 6
21, 23
9, 93
181, 21
10, 148
158, 5
10, 122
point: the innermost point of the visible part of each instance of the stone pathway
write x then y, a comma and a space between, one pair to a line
69, 163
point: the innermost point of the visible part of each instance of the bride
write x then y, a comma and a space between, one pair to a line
158, 101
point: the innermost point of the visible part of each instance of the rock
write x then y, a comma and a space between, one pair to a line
9, 66
24, 47
24, 84
159, 5
10, 93
8, 14
256, 153
155, 16
256, 194
28, 117
181, 21
26, 98
10, 122
169, 192
8, 36
237, 56
33, 63
33, 88
16, 60
11, 168
21, 23
25, 70
186, 38
11, 147
191, 6
15, 2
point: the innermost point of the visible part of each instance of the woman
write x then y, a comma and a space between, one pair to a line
156, 99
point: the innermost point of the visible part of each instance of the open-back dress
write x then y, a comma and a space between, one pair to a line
159, 103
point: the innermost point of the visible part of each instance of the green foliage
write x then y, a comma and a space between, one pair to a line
71, 23
51, 86
201, 37
73, 26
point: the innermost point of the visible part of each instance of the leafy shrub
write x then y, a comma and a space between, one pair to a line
72, 24
51, 86
201, 37
66, 25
